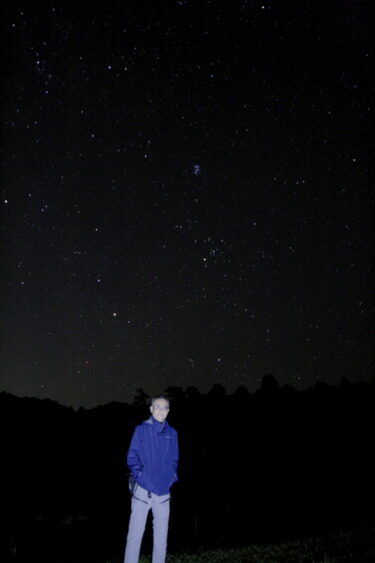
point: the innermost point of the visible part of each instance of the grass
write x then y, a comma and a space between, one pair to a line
343, 547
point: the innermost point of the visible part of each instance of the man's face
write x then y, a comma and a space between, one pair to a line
159, 409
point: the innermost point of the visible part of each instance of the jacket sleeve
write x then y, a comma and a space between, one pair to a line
134, 459
175, 458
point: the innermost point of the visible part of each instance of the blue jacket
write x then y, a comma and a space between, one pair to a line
153, 456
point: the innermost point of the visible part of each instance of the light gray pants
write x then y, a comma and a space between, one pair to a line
141, 504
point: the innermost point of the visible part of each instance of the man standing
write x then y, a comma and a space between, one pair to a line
152, 459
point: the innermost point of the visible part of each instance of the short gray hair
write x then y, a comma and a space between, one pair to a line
159, 397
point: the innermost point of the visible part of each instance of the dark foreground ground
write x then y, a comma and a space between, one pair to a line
350, 546
255, 470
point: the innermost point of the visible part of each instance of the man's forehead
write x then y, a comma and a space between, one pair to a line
160, 402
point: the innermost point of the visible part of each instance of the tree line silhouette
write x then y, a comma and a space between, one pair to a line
261, 467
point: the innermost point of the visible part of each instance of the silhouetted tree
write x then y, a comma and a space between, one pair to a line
345, 384
192, 392
141, 398
269, 384
175, 394
321, 386
288, 389
217, 391
241, 393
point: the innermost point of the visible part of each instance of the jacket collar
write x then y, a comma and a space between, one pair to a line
158, 426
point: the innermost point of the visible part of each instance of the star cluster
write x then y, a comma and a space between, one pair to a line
186, 196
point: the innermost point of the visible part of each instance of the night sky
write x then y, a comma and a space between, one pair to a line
186, 196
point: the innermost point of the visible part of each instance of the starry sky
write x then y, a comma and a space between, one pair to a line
186, 195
